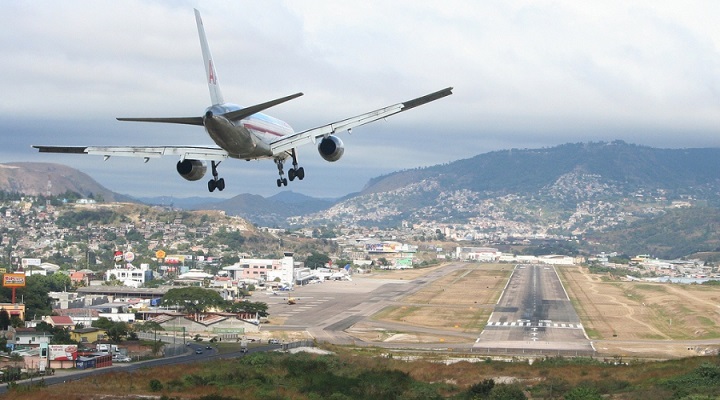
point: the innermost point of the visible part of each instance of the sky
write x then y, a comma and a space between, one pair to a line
527, 74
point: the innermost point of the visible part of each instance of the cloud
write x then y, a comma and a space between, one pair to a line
526, 73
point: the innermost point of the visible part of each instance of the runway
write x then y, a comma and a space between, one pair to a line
533, 314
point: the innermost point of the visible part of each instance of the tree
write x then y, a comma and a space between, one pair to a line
249, 307
102, 323
481, 389
57, 335
149, 326
316, 260
4, 320
16, 322
117, 331
507, 392
583, 393
194, 300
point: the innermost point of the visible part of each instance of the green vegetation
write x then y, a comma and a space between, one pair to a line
35, 292
674, 233
73, 219
196, 300
365, 374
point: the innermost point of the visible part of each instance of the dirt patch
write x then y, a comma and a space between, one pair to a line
644, 319
625, 310
460, 301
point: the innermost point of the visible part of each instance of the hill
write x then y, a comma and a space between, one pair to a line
271, 211
569, 191
603, 196
37, 178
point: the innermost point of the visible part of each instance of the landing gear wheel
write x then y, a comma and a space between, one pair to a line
300, 173
291, 174
279, 182
215, 183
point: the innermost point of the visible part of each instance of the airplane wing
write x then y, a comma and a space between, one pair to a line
289, 142
146, 152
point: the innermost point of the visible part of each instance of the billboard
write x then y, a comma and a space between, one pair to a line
384, 247
30, 261
63, 352
14, 280
174, 259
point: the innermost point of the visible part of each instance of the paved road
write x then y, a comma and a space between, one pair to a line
190, 356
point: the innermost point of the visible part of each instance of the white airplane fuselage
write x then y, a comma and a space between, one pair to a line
248, 138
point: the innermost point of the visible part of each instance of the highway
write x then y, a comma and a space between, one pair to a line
62, 376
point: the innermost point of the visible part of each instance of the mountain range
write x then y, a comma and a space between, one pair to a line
584, 190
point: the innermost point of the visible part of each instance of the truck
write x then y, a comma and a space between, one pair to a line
107, 348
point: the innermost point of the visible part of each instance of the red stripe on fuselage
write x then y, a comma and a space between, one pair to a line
263, 129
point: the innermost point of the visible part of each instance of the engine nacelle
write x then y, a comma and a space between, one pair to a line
191, 170
331, 148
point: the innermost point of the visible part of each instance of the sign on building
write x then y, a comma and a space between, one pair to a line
14, 280
63, 352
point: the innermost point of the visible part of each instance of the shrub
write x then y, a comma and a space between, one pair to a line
155, 385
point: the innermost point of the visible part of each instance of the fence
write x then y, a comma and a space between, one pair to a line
299, 343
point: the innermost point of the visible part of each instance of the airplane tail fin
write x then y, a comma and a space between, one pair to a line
212, 78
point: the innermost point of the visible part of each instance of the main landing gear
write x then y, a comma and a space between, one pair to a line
294, 172
215, 183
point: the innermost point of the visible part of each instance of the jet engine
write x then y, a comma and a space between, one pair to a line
191, 170
331, 148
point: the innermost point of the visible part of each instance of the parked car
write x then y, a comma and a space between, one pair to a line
198, 351
122, 359
273, 341
208, 347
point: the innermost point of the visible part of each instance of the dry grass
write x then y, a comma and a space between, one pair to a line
619, 310
459, 301
457, 376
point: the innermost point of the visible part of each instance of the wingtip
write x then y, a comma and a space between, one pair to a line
427, 98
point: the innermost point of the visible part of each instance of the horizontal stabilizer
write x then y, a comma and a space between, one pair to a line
180, 120
248, 111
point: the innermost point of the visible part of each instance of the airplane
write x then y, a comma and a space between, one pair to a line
244, 133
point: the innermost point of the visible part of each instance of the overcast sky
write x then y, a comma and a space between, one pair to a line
527, 74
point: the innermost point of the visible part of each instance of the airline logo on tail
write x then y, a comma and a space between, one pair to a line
212, 78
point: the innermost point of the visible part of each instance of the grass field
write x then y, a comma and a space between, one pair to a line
638, 310
458, 302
